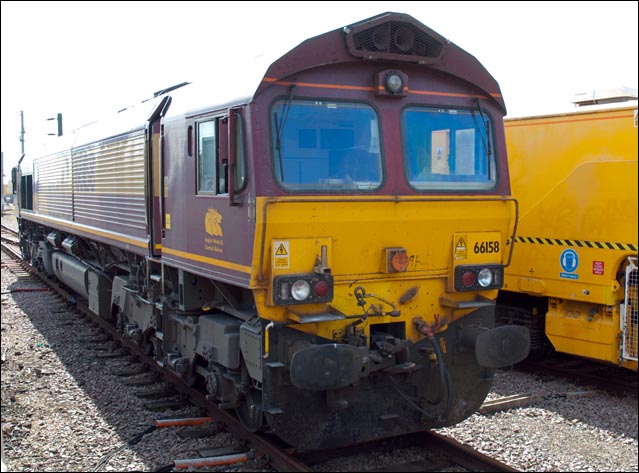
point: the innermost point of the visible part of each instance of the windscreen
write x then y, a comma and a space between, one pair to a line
326, 146
448, 149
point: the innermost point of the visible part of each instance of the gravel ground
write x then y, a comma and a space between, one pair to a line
62, 410
597, 432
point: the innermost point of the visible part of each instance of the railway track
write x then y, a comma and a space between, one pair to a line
154, 382
258, 447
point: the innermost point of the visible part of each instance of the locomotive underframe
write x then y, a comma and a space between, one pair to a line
209, 333
427, 388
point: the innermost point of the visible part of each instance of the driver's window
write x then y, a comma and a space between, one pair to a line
206, 158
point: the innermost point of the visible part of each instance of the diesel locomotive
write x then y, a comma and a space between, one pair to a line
318, 246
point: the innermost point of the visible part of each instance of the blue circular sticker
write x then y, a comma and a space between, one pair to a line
569, 260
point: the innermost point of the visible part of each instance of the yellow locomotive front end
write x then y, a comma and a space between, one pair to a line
380, 257
382, 321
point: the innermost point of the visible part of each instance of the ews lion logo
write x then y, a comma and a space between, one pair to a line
213, 223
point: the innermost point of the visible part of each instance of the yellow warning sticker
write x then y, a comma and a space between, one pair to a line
460, 249
281, 254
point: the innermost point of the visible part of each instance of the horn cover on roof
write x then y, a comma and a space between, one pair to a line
394, 36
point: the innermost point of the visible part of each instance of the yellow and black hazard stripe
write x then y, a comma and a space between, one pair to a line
578, 243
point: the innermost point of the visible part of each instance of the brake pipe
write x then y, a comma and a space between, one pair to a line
214, 461
185, 421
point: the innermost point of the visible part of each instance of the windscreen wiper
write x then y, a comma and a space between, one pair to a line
279, 130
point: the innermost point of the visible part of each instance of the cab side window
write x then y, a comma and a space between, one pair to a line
212, 156
206, 157
240, 158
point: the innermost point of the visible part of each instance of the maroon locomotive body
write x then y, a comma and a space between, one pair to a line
317, 247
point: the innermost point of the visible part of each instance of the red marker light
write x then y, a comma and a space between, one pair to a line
399, 261
321, 288
468, 278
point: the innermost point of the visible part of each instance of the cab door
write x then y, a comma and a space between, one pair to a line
154, 131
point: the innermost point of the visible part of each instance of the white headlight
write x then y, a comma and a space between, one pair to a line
485, 277
394, 83
300, 290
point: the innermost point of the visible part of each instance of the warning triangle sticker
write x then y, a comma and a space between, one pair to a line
281, 250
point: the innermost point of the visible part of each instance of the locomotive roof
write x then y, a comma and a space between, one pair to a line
125, 121
232, 84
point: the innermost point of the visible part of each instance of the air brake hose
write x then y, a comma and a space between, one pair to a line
444, 380
442, 371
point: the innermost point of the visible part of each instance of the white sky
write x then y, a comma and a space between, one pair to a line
86, 59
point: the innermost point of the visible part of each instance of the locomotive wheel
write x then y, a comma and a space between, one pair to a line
249, 410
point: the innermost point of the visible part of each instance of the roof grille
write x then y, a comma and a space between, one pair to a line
394, 40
